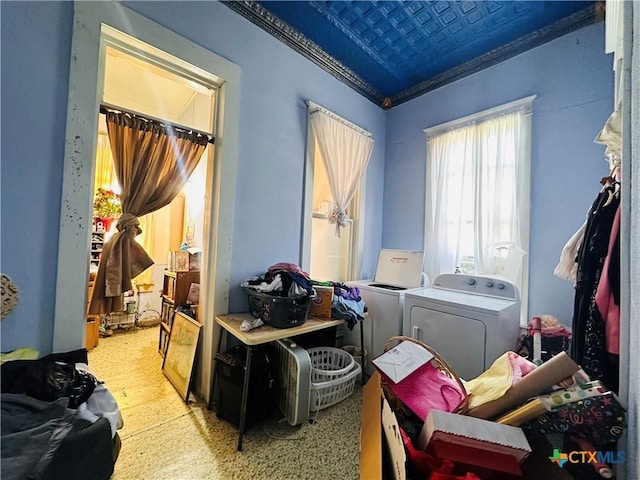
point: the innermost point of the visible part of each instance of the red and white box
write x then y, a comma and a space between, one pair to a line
474, 442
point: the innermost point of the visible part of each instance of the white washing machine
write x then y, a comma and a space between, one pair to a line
469, 320
397, 272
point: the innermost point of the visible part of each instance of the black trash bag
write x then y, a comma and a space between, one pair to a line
47, 380
551, 346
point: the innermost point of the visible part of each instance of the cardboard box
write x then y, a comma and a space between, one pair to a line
321, 305
374, 445
371, 437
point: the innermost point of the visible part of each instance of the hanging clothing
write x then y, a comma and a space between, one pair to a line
608, 292
567, 266
588, 347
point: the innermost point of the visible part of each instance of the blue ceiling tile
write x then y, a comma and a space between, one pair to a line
466, 7
432, 27
422, 17
449, 17
473, 17
440, 7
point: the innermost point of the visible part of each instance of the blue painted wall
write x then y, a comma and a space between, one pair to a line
276, 81
36, 44
573, 80
571, 76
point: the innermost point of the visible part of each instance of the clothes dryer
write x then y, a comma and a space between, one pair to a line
468, 320
397, 272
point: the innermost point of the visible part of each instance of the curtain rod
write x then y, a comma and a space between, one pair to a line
314, 107
524, 104
105, 108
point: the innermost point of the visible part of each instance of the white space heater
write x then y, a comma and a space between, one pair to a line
294, 379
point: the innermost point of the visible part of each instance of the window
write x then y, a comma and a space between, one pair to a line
330, 255
477, 199
331, 240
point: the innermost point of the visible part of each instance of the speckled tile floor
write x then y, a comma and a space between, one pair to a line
163, 438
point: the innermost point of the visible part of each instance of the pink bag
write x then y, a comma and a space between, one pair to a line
434, 385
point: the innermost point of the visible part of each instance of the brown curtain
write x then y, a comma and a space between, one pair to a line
153, 162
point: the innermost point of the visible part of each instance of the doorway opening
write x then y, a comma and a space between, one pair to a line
146, 83
92, 25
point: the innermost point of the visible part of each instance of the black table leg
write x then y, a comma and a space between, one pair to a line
245, 394
212, 391
364, 357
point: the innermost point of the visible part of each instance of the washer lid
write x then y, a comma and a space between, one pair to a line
465, 301
399, 268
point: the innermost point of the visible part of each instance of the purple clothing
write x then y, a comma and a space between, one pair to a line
344, 291
287, 267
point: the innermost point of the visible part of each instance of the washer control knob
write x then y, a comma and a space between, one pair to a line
489, 284
471, 281
500, 286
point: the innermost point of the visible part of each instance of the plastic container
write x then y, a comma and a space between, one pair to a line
328, 363
326, 394
279, 312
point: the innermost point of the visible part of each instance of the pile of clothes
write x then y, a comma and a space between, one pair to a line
289, 280
347, 304
282, 279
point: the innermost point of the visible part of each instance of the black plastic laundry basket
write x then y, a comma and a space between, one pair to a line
279, 312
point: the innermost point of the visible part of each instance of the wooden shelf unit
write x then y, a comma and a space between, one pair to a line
175, 289
93, 321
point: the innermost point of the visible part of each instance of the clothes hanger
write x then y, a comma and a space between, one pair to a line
611, 183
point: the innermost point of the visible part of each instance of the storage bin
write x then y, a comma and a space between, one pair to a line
230, 371
279, 312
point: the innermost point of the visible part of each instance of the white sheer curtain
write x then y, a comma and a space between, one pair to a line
345, 150
477, 202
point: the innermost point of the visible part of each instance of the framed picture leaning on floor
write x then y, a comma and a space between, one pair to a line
181, 352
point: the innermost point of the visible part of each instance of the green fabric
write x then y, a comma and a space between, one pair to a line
24, 353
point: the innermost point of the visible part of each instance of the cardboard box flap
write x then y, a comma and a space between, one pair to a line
394, 442
371, 430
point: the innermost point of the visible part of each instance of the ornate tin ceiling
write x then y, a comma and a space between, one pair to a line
393, 51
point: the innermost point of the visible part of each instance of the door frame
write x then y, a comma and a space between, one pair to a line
86, 73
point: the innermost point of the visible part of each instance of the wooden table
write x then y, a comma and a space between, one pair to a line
259, 336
